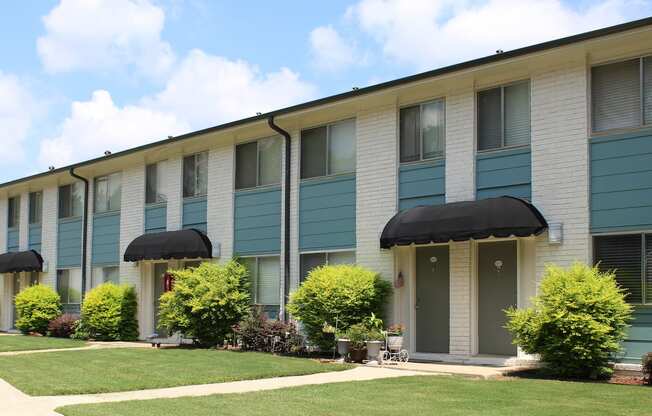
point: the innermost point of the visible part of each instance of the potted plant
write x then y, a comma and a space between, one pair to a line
395, 337
374, 342
357, 335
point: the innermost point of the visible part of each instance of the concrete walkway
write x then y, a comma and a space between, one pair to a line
92, 345
16, 403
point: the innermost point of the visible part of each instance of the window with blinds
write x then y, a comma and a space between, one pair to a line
328, 150
423, 131
310, 261
504, 116
623, 254
265, 279
621, 95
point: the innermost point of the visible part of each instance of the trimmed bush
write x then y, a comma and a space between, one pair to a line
109, 313
205, 302
258, 333
341, 295
36, 307
63, 326
576, 323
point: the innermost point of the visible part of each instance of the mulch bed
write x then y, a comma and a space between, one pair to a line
623, 378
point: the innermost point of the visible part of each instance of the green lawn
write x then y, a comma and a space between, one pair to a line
428, 395
111, 370
9, 343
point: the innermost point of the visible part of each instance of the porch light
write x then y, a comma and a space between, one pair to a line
555, 233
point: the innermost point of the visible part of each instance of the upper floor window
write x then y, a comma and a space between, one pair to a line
71, 202
108, 193
35, 207
195, 175
504, 116
155, 186
621, 94
13, 212
258, 163
328, 150
423, 131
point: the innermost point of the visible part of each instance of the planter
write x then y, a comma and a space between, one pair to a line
358, 355
395, 342
373, 350
343, 347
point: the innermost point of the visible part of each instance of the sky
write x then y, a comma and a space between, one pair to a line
78, 77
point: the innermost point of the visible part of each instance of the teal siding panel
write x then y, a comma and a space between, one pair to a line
156, 217
35, 237
639, 336
257, 221
194, 213
422, 184
504, 172
327, 213
13, 239
69, 241
621, 182
106, 239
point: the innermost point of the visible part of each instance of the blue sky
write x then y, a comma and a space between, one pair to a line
78, 77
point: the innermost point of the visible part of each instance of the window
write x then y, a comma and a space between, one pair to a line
13, 212
34, 278
155, 186
630, 257
504, 116
191, 264
311, 261
69, 286
423, 131
328, 150
106, 274
108, 193
258, 163
621, 94
35, 207
265, 280
195, 175
71, 200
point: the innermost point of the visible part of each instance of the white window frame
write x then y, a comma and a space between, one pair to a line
258, 185
29, 199
327, 253
254, 290
327, 155
159, 185
420, 105
195, 175
109, 178
72, 186
16, 212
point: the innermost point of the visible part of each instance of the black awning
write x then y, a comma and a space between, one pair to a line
21, 261
460, 221
183, 244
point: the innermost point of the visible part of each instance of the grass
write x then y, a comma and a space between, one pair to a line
428, 395
11, 343
112, 370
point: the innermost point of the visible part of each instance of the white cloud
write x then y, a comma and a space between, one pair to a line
105, 35
427, 33
17, 110
330, 51
98, 124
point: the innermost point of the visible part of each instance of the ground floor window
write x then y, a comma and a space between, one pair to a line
69, 282
105, 274
630, 257
310, 261
191, 264
34, 278
265, 278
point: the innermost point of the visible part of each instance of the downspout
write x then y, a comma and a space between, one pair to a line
84, 231
286, 216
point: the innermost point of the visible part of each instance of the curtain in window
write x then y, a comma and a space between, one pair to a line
115, 191
313, 152
647, 89
101, 194
517, 114
202, 174
622, 254
433, 129
35, 207
341, 143
343, 257
490, 125
410, 126
616, 95
245, 165
269, 275
77, 199
311, 261
189, 176
269, 159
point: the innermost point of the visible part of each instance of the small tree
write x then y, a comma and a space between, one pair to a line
109, 313
576, 323
340, 294
206, 301
36, 307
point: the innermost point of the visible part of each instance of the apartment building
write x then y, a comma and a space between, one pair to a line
459, 185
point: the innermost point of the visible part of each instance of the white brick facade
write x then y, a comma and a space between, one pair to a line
220, 199
132, 220
23, 230
49, 229
460, 149
173, 182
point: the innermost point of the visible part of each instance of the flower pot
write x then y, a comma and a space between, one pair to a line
373, 350
343, 347
395, 342
358, 355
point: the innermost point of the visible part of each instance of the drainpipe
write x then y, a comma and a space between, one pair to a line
286, 231
84, 231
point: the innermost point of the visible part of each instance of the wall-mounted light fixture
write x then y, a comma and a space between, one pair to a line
555, 233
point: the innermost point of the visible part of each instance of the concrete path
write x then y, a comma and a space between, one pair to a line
92, 345
16, 403
473, 371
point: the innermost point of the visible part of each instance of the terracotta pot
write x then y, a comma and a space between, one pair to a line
358, 355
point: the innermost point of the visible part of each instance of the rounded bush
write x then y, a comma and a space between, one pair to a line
341, 295
576, 322
63, 326
206, 301
109, 313
36, 307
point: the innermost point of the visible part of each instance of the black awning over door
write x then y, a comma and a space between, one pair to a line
182, 244
460, 221
21, 261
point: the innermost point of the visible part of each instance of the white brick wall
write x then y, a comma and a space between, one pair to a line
460, 298
132, 220
173, 182
293, 225
89, 228
23, 231
220, 198
49, 235
294, 211
5, 285
460, 149
560, 162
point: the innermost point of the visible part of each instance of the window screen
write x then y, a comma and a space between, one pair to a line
35, 207
246, 156
313, 152
311, 261
341, 147
269, 161
433, 129
189, 177
195, 175
69, 286
616, 95
410, 130
517, 114
490, 124
13, 213
622, 254
268, 287
155, 191
108, 193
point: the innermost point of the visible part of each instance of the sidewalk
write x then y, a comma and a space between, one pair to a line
92, 345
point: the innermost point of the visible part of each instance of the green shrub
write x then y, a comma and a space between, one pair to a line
63, 326
576, 323
340, 294
36, 307
109, 313
206, 301
359, 334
